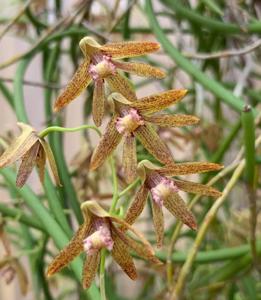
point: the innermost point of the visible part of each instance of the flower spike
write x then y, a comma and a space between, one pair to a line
165, 192
101, 230
100, 65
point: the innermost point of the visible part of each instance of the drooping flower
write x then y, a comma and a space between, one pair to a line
33, 151
102, 231
132, 120
101, 64
164, 191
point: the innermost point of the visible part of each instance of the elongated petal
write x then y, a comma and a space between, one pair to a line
20, 146
179, 209
123, 258
129, 49
152, 142
197, 188
90, 268
129, 158
142, 250
98, 102
158, 102
89, 46
165, 120
158, 221
74, 248
49, 154
40, 163
108, 142
137, 206
81, 79
121, 84
27, 164
188, 168
140, 69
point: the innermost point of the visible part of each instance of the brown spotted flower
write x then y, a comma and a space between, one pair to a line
33, 151
101, 64
102, 231
164, 191
134, 119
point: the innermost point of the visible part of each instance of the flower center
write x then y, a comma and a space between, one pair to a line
102, 67
162, 190
101, 238
130, 122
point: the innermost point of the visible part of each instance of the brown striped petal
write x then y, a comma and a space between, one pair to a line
141, 250
27, 164
20, 146
188, 168
81, 79
40, 163
197, 188
137, 206
140, 69
98, 102
108, 142
179, 209
129, 49
158, 221
73, 249
129, 158
165, 120
49, 154
121, 84
152, 142
121, 255
90, 268
158, 102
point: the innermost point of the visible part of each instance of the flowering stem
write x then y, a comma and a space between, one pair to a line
50, 129
102, 274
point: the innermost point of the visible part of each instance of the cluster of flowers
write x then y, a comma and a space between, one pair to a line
132, 118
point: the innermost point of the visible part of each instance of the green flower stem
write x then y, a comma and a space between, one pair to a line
208, 22
102, 275
49, 223
128, 188
7, 94
248, 124
51, 129
20, 216
210, 84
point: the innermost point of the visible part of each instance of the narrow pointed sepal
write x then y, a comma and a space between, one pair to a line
40, 163
90, 269
165, 120
108, 142
175, 204
197, 188
137, 206
152, 142
129, 158
158, 102
140, 69
98, 102
186, 168
129, 49
78, 83
158, 222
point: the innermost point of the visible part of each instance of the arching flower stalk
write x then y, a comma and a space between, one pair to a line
133, 120
33, 151
102, 231
101, 64
164, 191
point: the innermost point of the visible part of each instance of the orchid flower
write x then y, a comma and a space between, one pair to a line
100, 231
33, 151
101, 64
164, 191
133, 119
